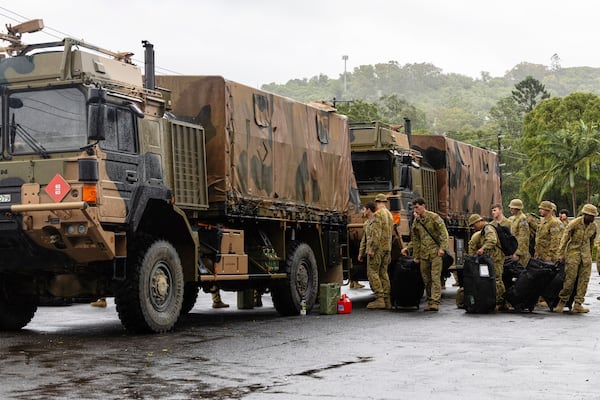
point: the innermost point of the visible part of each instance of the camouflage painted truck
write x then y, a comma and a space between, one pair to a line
455, 178
149, 188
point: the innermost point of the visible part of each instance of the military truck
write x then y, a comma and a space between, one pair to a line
149, 188
455, 178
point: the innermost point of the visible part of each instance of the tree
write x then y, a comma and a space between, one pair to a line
567, 152
394, 109
561, 138
528, 92
359, 111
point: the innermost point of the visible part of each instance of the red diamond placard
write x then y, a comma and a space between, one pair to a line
57, 188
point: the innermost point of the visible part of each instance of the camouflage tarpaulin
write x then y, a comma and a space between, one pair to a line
265, 149
468, 177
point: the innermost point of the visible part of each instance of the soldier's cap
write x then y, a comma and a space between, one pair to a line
516, 203
590, 209
545, 205
380, 198
474, 218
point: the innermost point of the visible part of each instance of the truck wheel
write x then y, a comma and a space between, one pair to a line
16, 310
190, 295
151, 296
301, 283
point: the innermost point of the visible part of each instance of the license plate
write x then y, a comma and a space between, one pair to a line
5, 198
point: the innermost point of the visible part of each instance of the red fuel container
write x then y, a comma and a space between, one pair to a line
344, 305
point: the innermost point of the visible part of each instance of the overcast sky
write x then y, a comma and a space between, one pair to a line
262, 41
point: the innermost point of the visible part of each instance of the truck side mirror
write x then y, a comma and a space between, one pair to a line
96, 121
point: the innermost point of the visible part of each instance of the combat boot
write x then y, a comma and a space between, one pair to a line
351, 285
388, 303
559, 307
433, 307
219, 304
101, 302
358, 285
579, 309
377, 304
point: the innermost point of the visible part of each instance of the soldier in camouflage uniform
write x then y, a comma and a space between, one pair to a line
520, 228
547, 238
388, 223
498, 215
576, 249
563, 217
485, 241
374, 245
426, 252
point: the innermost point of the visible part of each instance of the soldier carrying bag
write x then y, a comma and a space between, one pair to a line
447, 259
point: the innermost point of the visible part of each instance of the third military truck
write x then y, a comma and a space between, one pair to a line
455, 178
149, 188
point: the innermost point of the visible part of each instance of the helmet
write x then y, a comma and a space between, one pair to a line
474, 218
380, 198
544, 205
590, 209
516, 203
554, 208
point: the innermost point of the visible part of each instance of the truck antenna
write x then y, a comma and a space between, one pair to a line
14, 33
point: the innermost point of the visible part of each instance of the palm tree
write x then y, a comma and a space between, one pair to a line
564, 153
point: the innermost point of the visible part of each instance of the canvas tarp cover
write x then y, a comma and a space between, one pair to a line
468, 177
263, 148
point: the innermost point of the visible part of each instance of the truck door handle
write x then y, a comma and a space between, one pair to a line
131, 176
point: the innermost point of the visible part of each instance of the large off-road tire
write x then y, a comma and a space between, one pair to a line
150, 298
16, 309
301, 283
190, 295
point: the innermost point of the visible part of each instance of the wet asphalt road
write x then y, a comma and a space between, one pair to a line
81, 352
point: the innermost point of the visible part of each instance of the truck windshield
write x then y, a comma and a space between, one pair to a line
46, 121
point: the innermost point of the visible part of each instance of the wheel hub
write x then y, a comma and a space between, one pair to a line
160, 286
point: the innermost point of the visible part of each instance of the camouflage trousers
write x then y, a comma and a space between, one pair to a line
576, 268
500, 289
431, 272
377, 274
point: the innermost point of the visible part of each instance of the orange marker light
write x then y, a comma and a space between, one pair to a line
90, 194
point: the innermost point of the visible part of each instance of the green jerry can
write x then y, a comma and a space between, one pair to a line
329, 294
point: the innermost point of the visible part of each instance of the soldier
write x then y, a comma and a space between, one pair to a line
498, 215
547, 237
387, 234
563, 216
485, 241
429, 239
576, 249
520, 228
373, 246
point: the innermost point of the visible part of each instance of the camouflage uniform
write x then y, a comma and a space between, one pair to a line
520, 228
425, 249
488, 241
378, 239
576, 248
547, 238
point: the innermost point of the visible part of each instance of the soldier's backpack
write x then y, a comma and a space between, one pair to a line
508, 241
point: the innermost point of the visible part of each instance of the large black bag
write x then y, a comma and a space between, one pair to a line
550, 293
511, 271
508, 241
479, 280
406, 283
530, 285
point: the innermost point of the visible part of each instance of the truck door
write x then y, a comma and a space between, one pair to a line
121, 164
